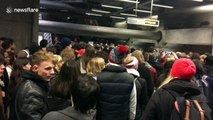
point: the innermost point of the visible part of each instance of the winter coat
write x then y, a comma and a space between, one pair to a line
67, 114
146, 74
142, 96
2, 117
161, 103
116, 86
30, 102
209, 78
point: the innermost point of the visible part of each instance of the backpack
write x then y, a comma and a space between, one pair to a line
189, 107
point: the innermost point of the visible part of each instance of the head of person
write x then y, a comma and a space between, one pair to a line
65, 42
183, 69
209, 60
139, 55
199, 67
23, 54
117, 54
8, 45
43, 64
43, 43
58, 63
62, 84
167, 66
85, 93
67, 54
88, 54
2, 67
22, 64
202, 58
80, 52
70, 71
95, 65
131, 62
9, 58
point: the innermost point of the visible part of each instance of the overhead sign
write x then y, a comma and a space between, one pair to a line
143, 21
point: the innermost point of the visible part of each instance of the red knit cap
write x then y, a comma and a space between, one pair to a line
183, 69
81, 51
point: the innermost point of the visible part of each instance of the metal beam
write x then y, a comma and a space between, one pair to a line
98, 31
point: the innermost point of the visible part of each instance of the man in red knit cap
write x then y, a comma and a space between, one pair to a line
161, 104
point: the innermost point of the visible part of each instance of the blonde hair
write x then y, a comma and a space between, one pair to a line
167, 80
42, 56
128, 60
95, 65
139, 55
58, 62
67, 54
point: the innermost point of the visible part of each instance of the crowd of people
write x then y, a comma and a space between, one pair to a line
80, 81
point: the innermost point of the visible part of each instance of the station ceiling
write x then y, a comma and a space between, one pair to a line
170, 12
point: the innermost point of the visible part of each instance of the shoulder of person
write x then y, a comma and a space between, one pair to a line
55, 115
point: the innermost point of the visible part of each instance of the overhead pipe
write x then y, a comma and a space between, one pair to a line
98, 31
59, 6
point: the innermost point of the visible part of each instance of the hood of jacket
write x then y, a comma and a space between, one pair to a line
133, 72
182, 87
74, 114
114, 68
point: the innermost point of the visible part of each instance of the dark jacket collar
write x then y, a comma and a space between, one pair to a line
114, 68
182, 87
30, 75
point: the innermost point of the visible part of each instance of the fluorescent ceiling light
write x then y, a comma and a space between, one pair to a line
93, 14
198, 0
155, 17
207, 8
100, 11
126, 14
110, 6
143, 11
164, 6
129, 1
115, 17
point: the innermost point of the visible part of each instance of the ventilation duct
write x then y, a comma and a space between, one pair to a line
98, 31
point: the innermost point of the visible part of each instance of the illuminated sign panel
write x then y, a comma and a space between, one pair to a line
143, 21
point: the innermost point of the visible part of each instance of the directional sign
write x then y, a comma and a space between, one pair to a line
143, 21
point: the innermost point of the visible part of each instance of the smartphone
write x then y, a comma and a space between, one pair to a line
168, 52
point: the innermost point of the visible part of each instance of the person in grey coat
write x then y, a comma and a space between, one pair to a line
84, 96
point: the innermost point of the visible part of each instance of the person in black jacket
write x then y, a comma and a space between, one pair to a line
118, 92
84, 97
131, 64
161, 103
2, 68
144, 71
29, 102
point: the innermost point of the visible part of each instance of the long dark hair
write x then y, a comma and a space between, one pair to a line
63, 82
85, 93
16, 74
